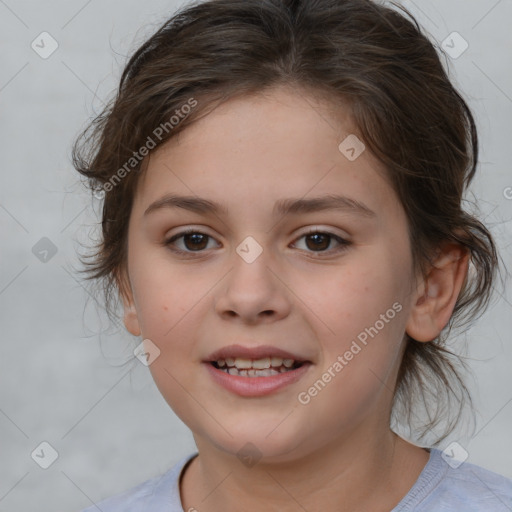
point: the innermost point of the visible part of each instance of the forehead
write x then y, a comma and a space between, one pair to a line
262, 148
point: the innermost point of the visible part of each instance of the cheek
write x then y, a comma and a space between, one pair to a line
348, 298
165, 294
360, 319
169, 304
360, 332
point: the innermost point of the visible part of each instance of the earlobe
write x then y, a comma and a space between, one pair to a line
438, 293
130, 318
131, 321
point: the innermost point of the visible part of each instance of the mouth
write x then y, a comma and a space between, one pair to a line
255, 371
263, 367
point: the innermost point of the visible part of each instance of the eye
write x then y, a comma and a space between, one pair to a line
192, 241
320, 241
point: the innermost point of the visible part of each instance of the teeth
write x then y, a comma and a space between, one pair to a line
276, 362
257, 364
261, 364
264, 367
243, 363
267, 372
255, 372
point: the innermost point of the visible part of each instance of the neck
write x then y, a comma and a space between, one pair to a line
362, 472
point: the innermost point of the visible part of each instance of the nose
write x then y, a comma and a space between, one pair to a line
253, 292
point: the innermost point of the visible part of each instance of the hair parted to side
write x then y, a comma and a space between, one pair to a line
358, 53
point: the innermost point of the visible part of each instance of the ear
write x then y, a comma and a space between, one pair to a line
437, 293
131, 320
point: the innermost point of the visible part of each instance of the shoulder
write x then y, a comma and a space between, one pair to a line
477, 489
160, 493
450, 487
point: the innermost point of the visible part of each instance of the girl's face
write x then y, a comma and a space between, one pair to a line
300, 251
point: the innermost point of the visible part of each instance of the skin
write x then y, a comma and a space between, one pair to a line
337, 452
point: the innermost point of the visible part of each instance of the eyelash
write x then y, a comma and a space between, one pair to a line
344, 244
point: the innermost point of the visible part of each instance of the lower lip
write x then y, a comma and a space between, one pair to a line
256, 386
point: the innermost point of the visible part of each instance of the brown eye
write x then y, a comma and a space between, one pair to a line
189, 241
195, 241
320, 242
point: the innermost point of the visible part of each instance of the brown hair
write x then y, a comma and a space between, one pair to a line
368, 56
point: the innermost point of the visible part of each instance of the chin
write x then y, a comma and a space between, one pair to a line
269, 440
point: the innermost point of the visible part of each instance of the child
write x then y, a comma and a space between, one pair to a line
282, 219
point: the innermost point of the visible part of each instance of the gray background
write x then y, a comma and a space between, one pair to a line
63, 382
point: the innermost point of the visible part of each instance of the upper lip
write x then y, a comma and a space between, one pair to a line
259, 352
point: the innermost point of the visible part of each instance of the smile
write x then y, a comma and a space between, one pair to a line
264, 367
263, 382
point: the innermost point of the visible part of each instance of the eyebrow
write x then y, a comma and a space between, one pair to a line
282, 207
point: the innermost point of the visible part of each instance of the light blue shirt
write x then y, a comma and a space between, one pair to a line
439, 488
